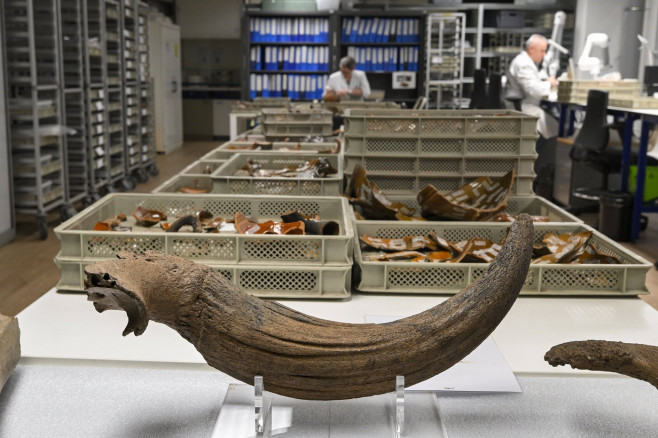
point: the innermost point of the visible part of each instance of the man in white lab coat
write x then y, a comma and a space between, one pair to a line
346, 83
523, 81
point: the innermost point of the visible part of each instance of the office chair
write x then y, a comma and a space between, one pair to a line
590, 145
494, 100
479, 95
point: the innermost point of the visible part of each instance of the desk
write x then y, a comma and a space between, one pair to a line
648, 117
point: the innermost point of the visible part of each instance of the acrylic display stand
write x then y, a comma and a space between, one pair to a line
251, 412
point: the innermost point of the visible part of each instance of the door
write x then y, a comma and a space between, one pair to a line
171, 60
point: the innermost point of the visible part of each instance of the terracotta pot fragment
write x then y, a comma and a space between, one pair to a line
148, 218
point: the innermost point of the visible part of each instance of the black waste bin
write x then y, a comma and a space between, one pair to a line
615, 215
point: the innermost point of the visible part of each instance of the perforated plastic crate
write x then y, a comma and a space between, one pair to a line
340, 107
439, 123
299, 281
174, 184
440, 147
283, 122
586, 84
643, 102
443, 166
228, 149
225, 180
533, 205
299, 129
78, 240
295, 115
400, 184
202, 167
449, 278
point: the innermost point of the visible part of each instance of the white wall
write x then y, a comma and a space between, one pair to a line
209, 19
611, 17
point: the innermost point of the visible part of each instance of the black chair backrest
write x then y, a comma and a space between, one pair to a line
479, 95
593, 136
494, 94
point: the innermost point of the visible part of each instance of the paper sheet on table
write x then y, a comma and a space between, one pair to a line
484, 370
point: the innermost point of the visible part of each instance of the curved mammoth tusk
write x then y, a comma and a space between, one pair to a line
634, 360
299, 355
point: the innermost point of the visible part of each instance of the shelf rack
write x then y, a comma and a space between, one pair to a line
382, 78
35, 113
275, 80
96, 97
115, 58
444, 72
76, 157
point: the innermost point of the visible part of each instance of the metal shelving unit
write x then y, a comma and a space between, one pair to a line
282, 62
115, 95
398, 36
96, 97
76, 157
444, 72
133, 165
145, 95
35, 113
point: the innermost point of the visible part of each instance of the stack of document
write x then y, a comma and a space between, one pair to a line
295, 86
295, 58
380, 30
386, 59
286, 30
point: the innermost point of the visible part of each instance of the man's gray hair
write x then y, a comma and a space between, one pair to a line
534, 39
347, 62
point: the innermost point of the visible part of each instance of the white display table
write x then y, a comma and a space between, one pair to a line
80, 377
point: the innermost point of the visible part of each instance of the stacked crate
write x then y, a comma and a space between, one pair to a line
273, 266
627, 278
295, 122
403, 151
575, 91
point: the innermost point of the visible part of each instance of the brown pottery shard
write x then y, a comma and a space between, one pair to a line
148, 218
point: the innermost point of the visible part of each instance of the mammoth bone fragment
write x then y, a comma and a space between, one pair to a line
634, 360
299, 355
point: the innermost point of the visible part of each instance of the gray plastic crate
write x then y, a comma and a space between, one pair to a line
78, 240
439, 123
297, 129
285, 122
400, 184
203, 167
443, 166
227, 150
299, 281
533, 205
225, 180
173, 184
295, 115
429, 147
449, 278
340, 107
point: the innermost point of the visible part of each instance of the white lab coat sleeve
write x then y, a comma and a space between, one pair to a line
528, 79
365, 85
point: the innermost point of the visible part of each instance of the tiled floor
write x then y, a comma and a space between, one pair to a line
28, 270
